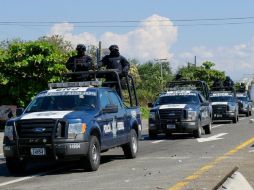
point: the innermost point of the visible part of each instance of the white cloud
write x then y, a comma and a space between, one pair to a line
236, 60
148, 41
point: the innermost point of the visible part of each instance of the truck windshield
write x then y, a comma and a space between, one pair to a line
177, 100
60, 103
222, 99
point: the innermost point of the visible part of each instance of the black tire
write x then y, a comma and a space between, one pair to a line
247, 114
235, 119
250, 113
208, 128
198, 133
92, 161
131, 148
168, 134
152, 134
16, 166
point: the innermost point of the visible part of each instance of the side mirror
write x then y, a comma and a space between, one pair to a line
19, 111
110, 109
150, 105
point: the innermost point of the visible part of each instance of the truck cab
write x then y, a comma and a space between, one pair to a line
72, 121
225, 106
181, 109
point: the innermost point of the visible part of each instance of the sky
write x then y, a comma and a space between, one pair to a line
221, 31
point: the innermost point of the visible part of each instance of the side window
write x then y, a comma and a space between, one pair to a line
114, 99
104, 99
201, 100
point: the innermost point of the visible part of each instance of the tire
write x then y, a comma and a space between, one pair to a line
92, 161
131, 148
197, 133
16, 166
247, 114
235, 119
250, 113
208, 128
152, 134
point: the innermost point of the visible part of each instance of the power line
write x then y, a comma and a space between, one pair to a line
128, 21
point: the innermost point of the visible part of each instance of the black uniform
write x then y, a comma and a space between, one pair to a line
79, 63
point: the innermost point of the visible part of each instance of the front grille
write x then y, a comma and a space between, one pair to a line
172, 116
240, 105
35, 128
220, 108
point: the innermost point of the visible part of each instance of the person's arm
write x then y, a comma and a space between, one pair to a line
125, 65
102, 62
69, 63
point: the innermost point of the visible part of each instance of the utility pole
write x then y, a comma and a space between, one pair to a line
160, 60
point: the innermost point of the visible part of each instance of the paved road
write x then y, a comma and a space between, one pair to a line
177, 163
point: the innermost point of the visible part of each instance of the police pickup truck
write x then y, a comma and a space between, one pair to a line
245, 104
71, 121
180, 111
225, 105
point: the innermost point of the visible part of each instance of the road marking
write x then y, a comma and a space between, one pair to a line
240, 119
30, 177
215, 126
212, 138
158, 141
1, 154
209, 166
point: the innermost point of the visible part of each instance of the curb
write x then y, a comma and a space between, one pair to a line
235, 182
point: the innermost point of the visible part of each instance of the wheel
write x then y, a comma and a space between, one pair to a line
16, 166
247, 114
235, 119
152, 134
131, 148
197, 133
208, 128
250, 113
92, 161
168, 134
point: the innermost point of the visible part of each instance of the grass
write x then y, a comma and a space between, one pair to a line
144, 112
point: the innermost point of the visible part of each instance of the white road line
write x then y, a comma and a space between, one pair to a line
241, 119
215, 126
212, 138
1, 154
30, 177
155, 142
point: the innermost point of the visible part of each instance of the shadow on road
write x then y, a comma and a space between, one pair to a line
55, 168
175, 136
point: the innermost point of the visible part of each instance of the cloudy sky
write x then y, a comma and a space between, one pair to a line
221, 31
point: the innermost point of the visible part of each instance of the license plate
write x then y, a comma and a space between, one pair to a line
219, 115
38, 151
171, 126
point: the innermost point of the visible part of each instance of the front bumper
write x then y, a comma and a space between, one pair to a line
177, 127
229, 115
56, 151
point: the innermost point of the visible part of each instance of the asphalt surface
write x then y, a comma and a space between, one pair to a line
180, 162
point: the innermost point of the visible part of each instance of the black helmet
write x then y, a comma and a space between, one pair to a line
113, 48
81, 47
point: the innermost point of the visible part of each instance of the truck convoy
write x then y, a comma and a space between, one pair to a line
182, 108
74, 121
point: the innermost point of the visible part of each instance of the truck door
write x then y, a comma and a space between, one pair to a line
106, 122
119, 118
204, 110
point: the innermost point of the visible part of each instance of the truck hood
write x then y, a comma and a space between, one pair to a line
170, 106
219, 103
58, 115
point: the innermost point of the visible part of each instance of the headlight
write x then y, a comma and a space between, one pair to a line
231, 107
76, 128
8, 132
245, 105
152, 115
192, 115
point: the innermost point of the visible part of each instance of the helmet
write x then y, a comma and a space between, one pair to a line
81, 47
113, 48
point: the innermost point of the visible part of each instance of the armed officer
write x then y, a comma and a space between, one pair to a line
81, 61
228, 83
115, 61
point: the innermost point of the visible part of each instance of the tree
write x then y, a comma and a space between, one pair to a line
27, 67
204, 72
